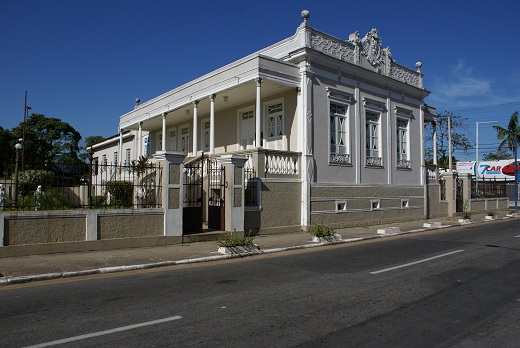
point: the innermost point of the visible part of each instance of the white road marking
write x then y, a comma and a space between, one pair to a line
415, 262
517, 236
106, 332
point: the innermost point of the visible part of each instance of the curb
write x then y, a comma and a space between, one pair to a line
115, 269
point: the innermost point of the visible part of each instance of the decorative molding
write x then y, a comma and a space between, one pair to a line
339, 158
403, 74
341, 96
374, 105
372, 48
402, 112
374, 161
332, 48
404, 164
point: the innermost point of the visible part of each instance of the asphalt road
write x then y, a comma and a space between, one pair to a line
446, 288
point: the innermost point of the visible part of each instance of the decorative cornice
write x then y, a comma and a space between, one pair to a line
372, 104
333, 48
402, 112
340, 95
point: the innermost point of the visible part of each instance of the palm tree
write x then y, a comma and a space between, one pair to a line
507, 135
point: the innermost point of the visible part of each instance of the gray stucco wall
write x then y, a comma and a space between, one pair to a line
280, 206
130, 225
50, 229
437, 207
341, 206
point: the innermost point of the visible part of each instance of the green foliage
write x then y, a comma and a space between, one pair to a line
321, 231
98, 202
7, 152
140, 165
507, 135
29, 180
491, 213
466, 214
48, 139
85, 148
120, 193
47, 200
230, 240
500, 155
459, 141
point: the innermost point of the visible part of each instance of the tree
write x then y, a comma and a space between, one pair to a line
507, 135
86, 145
49, 140
459, 141
7, 152
500, 155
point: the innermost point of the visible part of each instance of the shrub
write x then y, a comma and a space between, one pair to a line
120, 193
491, 213
321, 231
29, 180
230, 240
98, 201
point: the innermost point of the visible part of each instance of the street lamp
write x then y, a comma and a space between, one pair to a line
17, 147
476, 155
25, 114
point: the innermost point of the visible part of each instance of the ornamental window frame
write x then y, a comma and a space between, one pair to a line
402, 116
373, 132
339, 126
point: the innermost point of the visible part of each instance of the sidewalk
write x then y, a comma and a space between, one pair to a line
24, 269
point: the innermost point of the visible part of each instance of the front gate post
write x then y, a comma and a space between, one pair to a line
451, 192
235, 193
466, 191
172, 187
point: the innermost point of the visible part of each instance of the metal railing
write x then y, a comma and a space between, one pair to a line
55, 186
490, 188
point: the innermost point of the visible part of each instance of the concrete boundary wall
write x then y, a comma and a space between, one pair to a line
19, 229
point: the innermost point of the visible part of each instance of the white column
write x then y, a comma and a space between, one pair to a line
389, 142
434, 126
258, 115
212, 125
163, 132
307, 160
140, 143
358, 130
120, 155
195, 126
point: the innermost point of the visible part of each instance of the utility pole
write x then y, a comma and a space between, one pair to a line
476, 157
449, 144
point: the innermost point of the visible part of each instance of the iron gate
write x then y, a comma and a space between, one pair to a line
192, 200
459, 195
216, 189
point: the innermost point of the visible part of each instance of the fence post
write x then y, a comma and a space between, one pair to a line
89, 191
235, 192
172, 190
450, 187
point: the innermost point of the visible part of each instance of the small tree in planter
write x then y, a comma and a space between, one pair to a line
233, 244
322, 233
466, 214
491, 215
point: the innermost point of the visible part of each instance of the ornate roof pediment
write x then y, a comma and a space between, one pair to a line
372, 48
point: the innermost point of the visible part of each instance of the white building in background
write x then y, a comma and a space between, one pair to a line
334, 129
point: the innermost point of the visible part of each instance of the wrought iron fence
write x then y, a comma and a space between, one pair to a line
251, 192
55, 186
442, 184
490, 188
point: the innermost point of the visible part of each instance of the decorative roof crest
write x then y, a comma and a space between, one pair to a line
372, 47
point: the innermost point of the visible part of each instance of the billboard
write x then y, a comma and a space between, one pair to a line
499, 170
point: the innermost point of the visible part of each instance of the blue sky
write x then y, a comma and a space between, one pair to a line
86, 61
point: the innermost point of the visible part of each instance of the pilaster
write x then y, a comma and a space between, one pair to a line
172, 190
235, 196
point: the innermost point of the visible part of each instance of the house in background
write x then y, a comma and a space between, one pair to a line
332, 131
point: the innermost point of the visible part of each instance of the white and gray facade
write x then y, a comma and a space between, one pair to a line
333, 128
